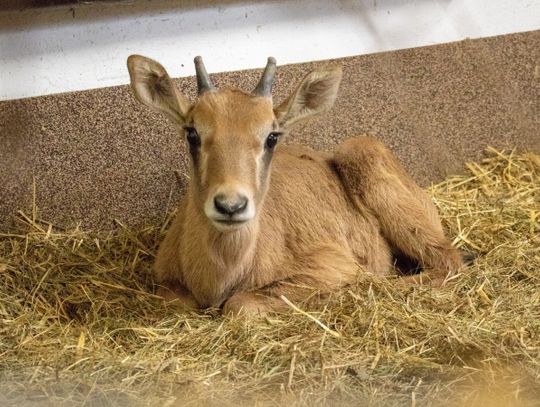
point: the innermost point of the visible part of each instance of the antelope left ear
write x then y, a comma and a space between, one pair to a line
316, 94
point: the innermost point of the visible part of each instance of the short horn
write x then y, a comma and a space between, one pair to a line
203, 80
264, 87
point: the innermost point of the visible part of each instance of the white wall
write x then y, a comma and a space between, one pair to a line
59, 50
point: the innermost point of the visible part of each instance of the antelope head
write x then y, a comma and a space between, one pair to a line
231, 134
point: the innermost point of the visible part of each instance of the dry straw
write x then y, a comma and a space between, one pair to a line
79, 325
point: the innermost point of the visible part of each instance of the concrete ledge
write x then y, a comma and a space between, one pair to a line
98, 155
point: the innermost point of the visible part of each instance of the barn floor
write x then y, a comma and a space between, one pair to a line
78, 325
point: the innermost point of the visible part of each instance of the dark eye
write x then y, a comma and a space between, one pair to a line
192, 137
272, 140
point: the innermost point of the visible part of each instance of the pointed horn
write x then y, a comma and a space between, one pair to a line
203, 80
264, 88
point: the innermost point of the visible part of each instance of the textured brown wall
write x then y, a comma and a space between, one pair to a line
98, 155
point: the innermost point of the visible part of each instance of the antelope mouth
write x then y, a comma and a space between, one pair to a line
229, 214
231, 222
229, 225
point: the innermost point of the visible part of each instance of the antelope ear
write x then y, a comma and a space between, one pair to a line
154, 88
316, 94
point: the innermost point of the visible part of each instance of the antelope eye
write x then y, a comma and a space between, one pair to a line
272, 140
192, 136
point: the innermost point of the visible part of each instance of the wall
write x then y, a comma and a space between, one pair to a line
80, 47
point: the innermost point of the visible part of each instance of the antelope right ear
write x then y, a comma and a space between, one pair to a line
153, 87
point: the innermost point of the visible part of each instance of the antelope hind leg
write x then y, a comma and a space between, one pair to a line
409, 220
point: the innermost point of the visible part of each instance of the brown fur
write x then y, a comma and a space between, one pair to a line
320, 217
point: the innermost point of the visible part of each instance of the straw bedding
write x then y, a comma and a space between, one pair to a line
79, 324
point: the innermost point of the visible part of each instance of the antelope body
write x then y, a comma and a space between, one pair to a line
261, 220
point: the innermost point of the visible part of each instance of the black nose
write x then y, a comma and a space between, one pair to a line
227, 206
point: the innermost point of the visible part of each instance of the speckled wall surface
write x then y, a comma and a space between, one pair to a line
98, 155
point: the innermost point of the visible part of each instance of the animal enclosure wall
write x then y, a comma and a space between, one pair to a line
97, 155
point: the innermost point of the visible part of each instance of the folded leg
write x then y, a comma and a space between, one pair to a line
375, 180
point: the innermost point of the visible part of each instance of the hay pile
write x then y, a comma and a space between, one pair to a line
78, 325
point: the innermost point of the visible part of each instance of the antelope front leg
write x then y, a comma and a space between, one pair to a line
177, 295
253, 304
324, 269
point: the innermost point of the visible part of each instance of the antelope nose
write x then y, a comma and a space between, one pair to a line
230, 206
